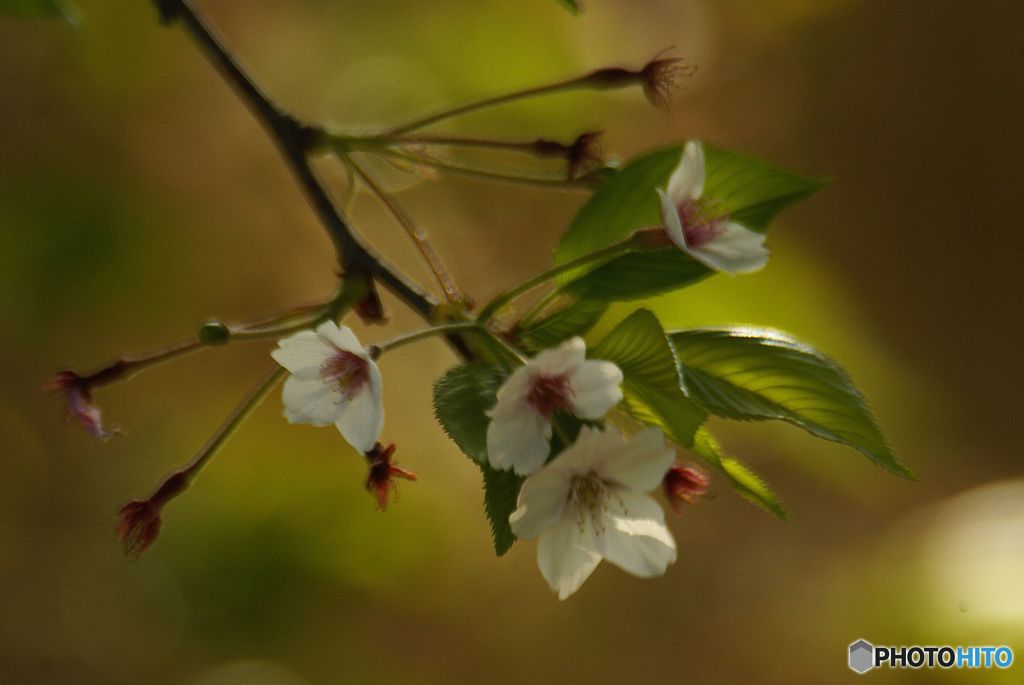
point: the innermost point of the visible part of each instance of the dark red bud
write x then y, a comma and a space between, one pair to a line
383, 470
684, 485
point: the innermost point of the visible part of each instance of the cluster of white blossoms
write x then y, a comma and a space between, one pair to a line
589, 502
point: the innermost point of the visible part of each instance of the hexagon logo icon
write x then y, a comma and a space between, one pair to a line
862, 656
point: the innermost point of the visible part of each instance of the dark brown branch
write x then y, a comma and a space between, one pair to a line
292, 138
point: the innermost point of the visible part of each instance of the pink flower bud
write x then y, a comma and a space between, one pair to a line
684, 485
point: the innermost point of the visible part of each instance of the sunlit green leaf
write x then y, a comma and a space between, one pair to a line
652, 387
575, 318
754, 374
743, 479
750, 190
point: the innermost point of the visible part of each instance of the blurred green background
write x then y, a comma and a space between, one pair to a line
137, 198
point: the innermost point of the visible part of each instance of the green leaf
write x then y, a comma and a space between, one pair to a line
461, 400
624, 203
38, 8
639, 275
571, 5
756, 374
651, 385
501, 490
575, 318
743, 479
750, 190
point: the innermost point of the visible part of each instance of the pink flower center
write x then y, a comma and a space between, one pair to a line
550, 394
700, 226
346, 372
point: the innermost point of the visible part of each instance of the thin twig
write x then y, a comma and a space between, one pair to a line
416, 234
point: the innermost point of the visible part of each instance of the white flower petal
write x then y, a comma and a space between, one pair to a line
363, 417
312, 402
566, 554
542, 499
341, 337
513, 392
641, 463
635, 537
302, 353
593, 447
560, 360
687, 180
736, 250
518, 440
596, 388
673, 224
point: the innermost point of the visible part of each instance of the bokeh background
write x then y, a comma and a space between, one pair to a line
138, 198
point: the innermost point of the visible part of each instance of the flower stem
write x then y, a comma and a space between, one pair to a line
418, 235
594, 79
547, 182
538, 308
378, 349
179, 481
501, 301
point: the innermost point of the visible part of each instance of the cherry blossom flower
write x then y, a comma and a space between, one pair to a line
333, 380
589, 503
700, 228
556, 380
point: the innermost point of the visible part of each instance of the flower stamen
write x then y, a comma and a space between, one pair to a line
346, 373
550, 394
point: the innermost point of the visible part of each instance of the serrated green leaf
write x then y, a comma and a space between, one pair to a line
575, 318
571, 5
750, 190
461, 400
38, 8
744, 480
755, 374
651, 385
501, 490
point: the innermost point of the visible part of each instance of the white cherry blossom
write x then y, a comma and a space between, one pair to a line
590, 503
701, 229
556, 380
333, 380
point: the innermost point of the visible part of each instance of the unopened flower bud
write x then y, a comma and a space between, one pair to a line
214, 333
684, 485
383, 470
370, 309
